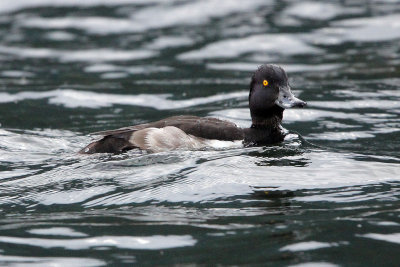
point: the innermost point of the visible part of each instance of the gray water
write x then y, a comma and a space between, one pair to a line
327, 196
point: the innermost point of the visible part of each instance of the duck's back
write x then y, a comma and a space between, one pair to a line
175, 131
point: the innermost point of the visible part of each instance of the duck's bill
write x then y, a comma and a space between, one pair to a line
286, 99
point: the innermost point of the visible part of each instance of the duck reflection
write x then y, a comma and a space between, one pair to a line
281, 156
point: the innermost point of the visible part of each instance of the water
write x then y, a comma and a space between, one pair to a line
327, 196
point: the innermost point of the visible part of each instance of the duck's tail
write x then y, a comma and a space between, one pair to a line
108, 144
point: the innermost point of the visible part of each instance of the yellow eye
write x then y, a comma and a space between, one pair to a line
265, 82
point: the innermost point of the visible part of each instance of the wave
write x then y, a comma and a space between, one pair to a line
74, 98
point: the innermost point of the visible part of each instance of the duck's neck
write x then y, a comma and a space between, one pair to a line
266, 124
265, 128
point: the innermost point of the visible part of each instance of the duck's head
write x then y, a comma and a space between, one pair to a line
270, 93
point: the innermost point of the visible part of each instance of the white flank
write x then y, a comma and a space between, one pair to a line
218, 144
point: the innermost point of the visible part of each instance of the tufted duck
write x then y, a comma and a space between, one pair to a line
269, 96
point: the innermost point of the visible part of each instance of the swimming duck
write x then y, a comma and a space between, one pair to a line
269, 96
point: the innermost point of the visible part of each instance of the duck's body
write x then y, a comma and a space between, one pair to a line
269, 95
182, 132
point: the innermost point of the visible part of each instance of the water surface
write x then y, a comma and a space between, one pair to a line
327, 196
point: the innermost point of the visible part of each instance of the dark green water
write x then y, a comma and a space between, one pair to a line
69, 68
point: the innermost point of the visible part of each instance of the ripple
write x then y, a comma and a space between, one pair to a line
370, 29
95, 63
74, 98
11, 6
57, 231
16, 172
264, 43
357, 104
228, 175
50, 261
101, 68
169, 42
242, 115
193, 13
71, 196
315, 264
125, 242
310, 245
313, 10
36, 141
60, 36
338, 136
392, 238
114, 75
16, 74
243, 66
350, 195
100, 54
94, 25
190, 13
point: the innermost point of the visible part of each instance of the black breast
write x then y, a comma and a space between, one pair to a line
262, 136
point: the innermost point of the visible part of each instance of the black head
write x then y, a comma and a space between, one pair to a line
270, 92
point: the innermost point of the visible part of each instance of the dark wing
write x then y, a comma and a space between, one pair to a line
209, 128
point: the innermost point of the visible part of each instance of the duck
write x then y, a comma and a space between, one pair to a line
269, 95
